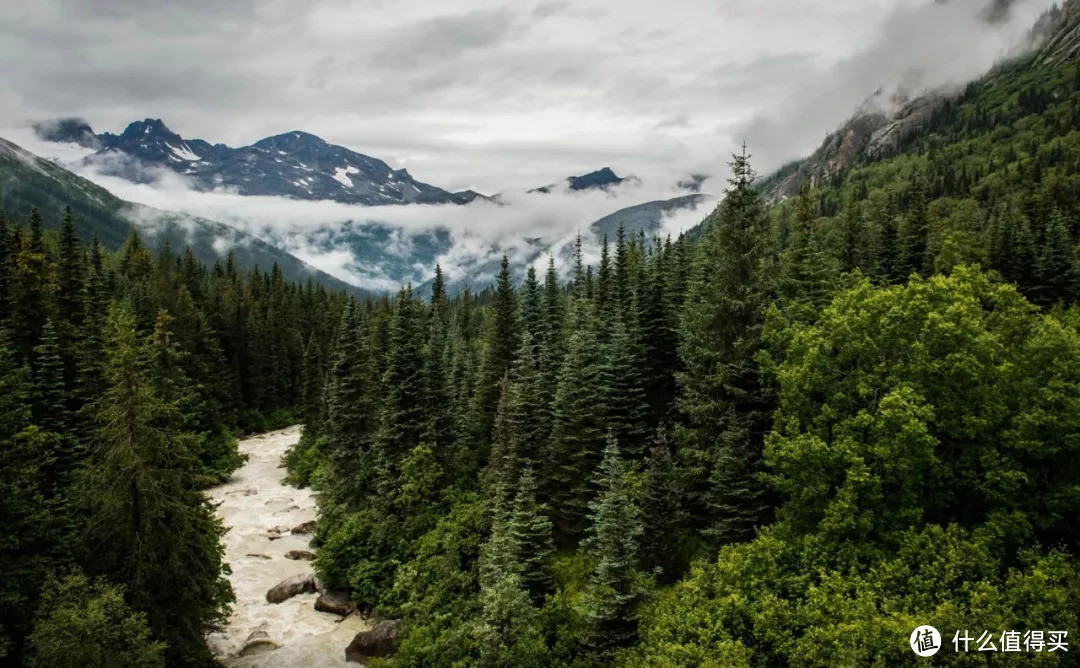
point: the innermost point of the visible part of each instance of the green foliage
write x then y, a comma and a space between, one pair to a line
911, 422
721, 395
152, 529
83, 623
613, 593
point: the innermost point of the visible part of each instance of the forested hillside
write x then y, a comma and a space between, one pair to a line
123, 379
790, 437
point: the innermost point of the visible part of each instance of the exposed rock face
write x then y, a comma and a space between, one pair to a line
295, 164
305, 528
289, 587
300, 555
336, 602
379, 641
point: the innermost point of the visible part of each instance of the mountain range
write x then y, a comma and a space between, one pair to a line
27, 180
294, 164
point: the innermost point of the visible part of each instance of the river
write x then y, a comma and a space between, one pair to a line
252, 503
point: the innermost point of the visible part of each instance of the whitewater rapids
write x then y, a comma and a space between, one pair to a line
252, 503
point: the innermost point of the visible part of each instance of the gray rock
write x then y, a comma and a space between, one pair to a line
305, 528
289, 587
259, 642
300, 555
379, 641
336, 602
259, 556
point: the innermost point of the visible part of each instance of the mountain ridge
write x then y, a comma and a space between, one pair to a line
29, 181
294, 164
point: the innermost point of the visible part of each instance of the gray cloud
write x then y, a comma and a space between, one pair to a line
489, 94
916, 49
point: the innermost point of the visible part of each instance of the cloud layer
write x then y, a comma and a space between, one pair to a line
484, 94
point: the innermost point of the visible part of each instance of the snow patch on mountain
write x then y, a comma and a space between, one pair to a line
341, 175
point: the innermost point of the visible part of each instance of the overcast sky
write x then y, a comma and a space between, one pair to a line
493, 94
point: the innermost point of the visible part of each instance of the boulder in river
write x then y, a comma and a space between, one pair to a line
336, 602
304, 583
258, 642
300, 555
379, 641
259, 556
305, 528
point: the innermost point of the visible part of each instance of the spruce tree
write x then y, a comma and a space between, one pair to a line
152, 530
31, 287
914, 232
613, 593
530, 529
70, 298
627, 413
1056, 264
604, 280
27, 524
502, 340
507, 630
48, 369
352, 407
662, 512
726, 408
529, 414
578, 429
805, 271
402, 423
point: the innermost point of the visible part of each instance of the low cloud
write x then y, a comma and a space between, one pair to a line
919, 48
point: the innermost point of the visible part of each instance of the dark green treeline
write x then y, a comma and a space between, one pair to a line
123, 380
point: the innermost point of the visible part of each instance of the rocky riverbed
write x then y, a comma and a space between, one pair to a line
260, 512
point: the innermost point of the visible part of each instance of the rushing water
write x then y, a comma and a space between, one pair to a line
253, 503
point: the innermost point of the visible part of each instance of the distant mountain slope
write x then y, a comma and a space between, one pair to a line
29, 181
646, 217
885, 124
294, 164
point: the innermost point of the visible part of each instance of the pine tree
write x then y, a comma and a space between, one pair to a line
152, 529
662, 512
502, 341
532, 312
31, 289
659, 338
806, 271
914, 233
1056, 264
529, 413
312, 385
604, 281
613, 592
507, 632
70, 300
352, 407
501, 471
578, 430
27, 526
621, 288
402, 423
530, 529
49, 396
721, 395
626, 411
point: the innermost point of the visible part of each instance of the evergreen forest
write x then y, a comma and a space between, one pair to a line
789, 436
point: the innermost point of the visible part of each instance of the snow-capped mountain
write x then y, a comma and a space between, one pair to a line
295, 164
